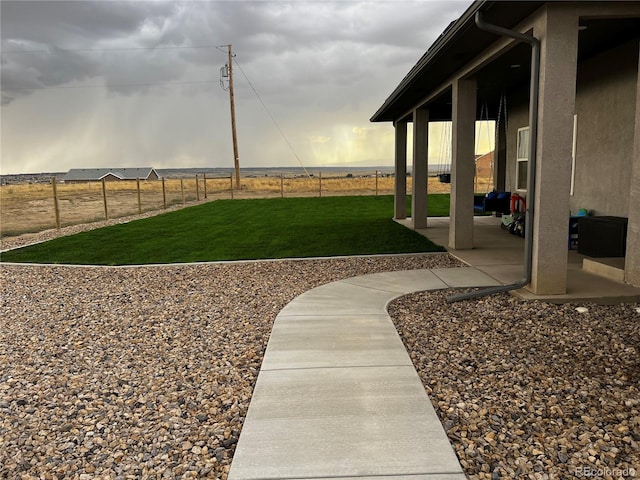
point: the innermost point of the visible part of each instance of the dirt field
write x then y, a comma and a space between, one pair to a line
31, 207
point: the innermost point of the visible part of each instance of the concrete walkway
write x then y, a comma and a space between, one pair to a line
337, 395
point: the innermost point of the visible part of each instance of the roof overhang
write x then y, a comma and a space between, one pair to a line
463, 44
457, 45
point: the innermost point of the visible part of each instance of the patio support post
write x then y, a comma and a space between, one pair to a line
420, 149
462, 164
557, 29
632, 260
400, 192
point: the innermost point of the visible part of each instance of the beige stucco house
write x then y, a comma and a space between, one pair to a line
563, 74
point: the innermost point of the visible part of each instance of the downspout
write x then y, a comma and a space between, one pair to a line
531, 167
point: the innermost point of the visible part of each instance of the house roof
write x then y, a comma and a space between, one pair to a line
86, 174
460, 42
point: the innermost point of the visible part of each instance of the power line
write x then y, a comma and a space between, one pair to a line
273, 119
117, 49
121, 85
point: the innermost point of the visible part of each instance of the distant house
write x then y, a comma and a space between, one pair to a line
79, 175
484, 165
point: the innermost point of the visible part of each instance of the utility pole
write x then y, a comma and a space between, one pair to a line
236, 159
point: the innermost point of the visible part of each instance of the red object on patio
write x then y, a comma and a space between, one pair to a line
518, 203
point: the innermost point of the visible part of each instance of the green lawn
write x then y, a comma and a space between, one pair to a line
243, 229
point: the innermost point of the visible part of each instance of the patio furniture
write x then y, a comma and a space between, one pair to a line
604, 236
494, 201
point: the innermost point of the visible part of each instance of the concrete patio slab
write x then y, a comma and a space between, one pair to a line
501, 256
583, 286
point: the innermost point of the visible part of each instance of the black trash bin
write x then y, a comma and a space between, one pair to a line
604, 236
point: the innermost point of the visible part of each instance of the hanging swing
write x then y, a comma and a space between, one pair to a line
445, 151
494, 201
484, 123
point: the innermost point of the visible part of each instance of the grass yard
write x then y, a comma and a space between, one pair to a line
243, 229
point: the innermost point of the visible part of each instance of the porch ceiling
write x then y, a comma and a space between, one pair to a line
462, 41
455, 47
512, 70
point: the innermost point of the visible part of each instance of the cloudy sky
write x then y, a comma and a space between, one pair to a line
111, 83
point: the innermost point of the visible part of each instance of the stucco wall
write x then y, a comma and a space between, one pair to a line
518, 117
605, 104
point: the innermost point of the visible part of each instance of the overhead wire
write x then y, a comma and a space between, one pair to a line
272, 119
121, 85
114, 49
117, 49
132, 85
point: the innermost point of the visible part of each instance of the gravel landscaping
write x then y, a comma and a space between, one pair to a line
530, 390
147, 372
143, 372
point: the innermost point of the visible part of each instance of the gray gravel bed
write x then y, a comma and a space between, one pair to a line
142, 372
530, 390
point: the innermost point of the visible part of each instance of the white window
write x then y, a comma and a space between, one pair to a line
522, 158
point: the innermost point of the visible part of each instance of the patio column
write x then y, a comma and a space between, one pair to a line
632, 260
557, 30
420, 149
400, 192
462, 164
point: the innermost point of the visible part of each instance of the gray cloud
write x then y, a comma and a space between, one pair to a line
278, 30
52, 43
321, 67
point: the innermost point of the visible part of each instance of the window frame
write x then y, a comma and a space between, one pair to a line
522, 159
574, 152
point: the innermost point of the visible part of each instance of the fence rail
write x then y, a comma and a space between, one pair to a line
29, 208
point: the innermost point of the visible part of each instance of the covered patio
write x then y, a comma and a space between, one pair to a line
541, 70
501, 256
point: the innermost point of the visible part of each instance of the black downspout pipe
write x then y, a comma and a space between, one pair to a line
531, 167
